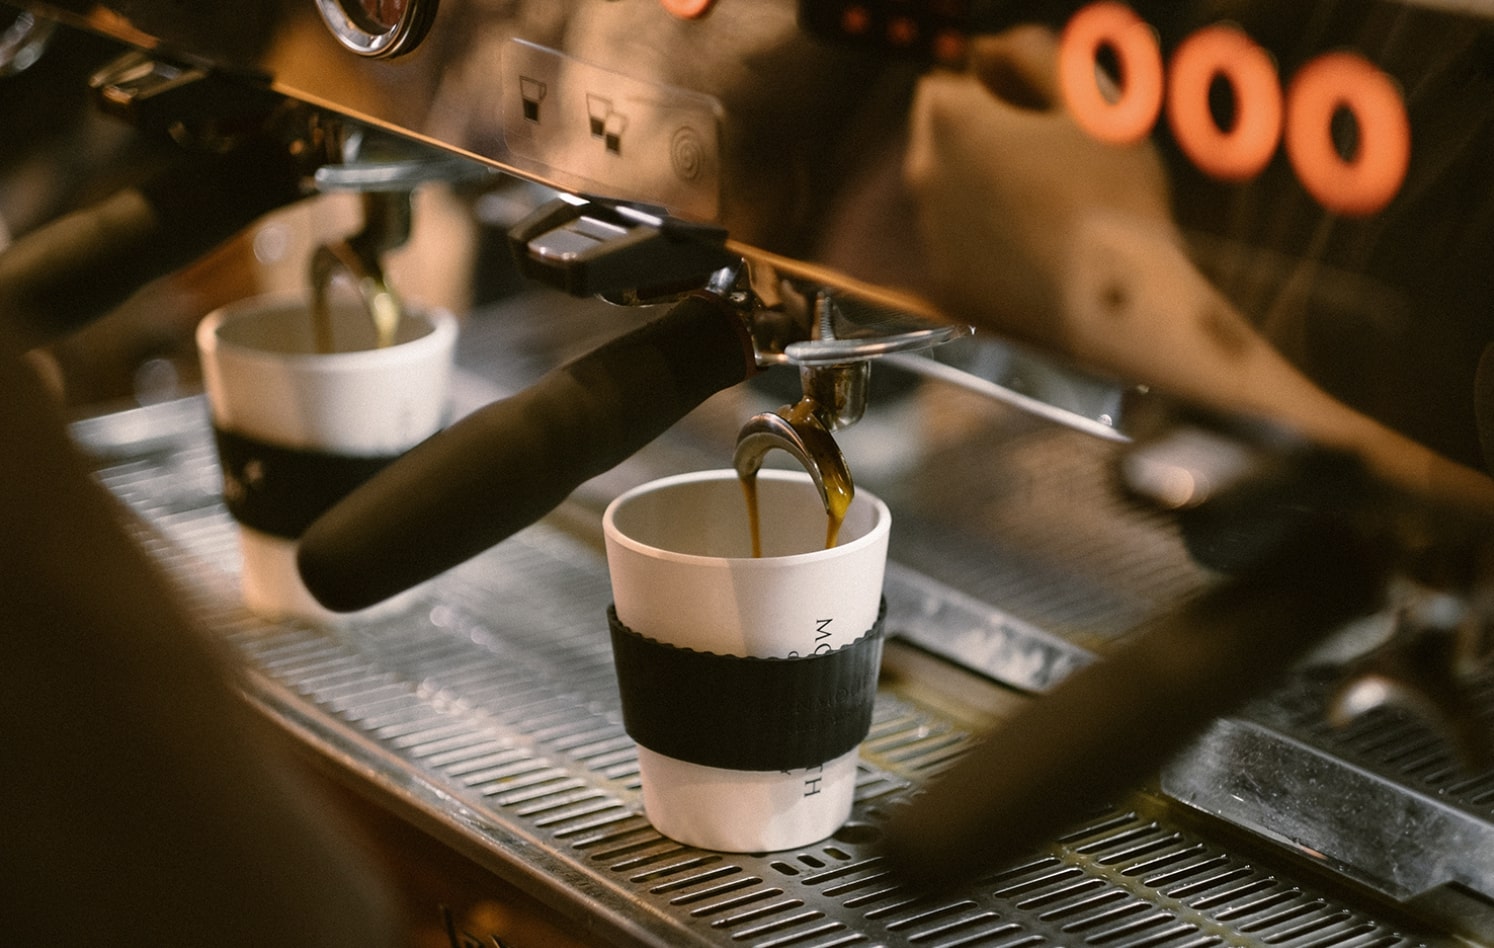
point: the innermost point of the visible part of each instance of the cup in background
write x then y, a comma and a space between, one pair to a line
690, 602
297, 429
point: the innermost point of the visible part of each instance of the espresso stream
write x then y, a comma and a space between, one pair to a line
820, 447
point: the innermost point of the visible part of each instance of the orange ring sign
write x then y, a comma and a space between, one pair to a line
1120, 116
1365, 182
1242, 151
686, 9
1125, 111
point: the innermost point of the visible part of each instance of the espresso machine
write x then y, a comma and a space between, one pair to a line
1166, 329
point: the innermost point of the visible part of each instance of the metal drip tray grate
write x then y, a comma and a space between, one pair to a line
1280, 771
486, 709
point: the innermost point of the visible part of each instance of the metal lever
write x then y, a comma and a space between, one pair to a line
23, 42
590, 247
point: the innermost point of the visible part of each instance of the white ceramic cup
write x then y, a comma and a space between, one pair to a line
271, 391
680, 559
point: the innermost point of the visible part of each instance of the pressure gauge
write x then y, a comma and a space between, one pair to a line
378, 28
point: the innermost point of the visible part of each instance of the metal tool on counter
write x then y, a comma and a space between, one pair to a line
506, 465
1308, 540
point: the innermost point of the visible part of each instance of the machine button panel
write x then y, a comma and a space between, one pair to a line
597, 131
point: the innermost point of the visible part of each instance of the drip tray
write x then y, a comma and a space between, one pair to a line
486, 712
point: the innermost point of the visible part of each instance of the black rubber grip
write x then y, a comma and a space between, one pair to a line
765, 714
1105, 729
508, 464
281, 491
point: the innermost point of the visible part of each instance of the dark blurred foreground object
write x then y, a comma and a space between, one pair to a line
144, 805
64, 275
1308, 539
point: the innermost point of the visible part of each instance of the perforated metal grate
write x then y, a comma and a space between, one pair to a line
488, 709
1399, 744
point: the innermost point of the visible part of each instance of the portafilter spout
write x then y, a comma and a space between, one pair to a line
384, 173
798, 431
834, 370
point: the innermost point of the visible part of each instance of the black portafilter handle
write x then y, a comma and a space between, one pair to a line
75, 269
1109, 726
1104, 730
508, 464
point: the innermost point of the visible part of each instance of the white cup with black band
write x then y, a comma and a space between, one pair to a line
747, 682
298, 428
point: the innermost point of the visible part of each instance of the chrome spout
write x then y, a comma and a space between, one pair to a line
799, 431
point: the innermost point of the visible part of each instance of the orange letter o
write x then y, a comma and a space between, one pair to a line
1130, 115
1366, 182
1244, 150
687, 9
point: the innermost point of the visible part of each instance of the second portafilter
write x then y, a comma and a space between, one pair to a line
508, 464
